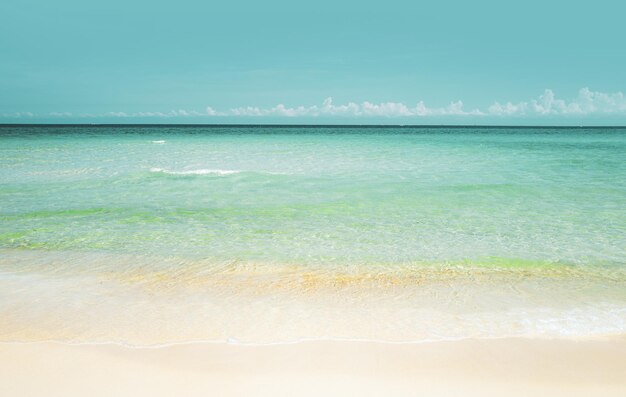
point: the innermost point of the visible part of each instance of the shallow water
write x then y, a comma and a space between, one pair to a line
149, 235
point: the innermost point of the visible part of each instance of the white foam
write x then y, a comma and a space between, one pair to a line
196, 172
158, 142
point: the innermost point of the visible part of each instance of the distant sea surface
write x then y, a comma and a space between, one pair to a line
151, 235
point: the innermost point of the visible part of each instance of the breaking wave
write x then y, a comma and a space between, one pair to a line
201, 171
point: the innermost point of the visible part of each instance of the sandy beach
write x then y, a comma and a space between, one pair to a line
497, 367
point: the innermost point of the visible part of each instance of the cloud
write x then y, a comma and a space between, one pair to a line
547, 104
184, 113
117, 114
211, 112
18, 115
507, 109
586, 103
365, 109
171, 113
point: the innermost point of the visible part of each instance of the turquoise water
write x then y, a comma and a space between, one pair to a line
317, 195
164, 198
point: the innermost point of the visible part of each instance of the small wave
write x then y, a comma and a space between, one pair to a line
158, 142
196, 172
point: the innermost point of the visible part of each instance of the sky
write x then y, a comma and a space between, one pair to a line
344, 62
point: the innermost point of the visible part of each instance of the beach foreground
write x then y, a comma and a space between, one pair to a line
495, 367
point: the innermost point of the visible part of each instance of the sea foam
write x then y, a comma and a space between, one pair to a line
202, 171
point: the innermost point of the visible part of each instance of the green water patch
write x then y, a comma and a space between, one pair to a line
546, 268
11, 238
59, 213
97, 258
510, 263
122, 215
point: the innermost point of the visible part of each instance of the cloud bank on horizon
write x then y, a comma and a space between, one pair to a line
587, 103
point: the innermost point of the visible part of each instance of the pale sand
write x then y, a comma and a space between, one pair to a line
502, 367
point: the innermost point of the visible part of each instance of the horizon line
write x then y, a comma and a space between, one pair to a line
281, 125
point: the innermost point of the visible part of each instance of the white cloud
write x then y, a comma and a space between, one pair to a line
148, 114
117, 114
367, 109
507, 109
184, 113
17, 115
586, 103
210, 111
171, 113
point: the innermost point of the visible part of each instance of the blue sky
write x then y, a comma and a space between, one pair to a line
397, 62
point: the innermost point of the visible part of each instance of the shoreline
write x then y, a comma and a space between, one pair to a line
102, 297
469, 367
237, 342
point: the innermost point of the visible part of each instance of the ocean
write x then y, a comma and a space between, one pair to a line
152, 235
